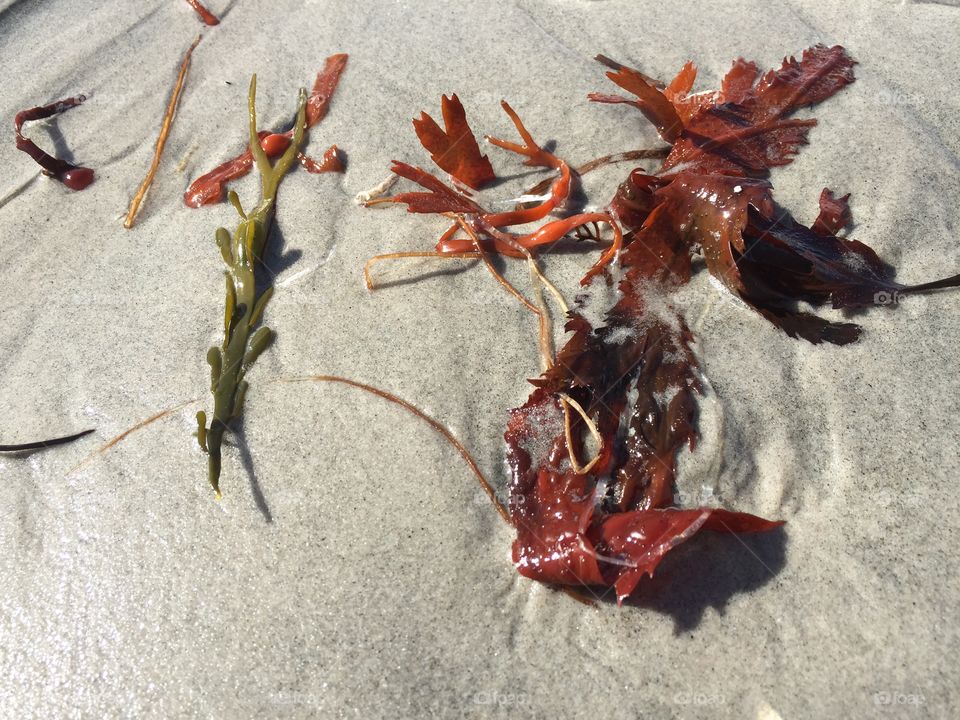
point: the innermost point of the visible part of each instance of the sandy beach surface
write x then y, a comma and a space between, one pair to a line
353, 568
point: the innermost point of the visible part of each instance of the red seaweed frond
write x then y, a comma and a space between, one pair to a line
440, 198
485, 227
454, 147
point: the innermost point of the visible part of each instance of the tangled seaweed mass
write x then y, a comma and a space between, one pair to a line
633, 379
623, 389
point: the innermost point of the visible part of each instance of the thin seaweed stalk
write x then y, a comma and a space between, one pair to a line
42, 444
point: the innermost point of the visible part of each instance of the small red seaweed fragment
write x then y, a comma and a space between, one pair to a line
484, 228
653, 103
208, 17
73, 176
211, 187
454, 147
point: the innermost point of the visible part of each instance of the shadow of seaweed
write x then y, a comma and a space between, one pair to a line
246, 459
427, 275
277, 258
708, 571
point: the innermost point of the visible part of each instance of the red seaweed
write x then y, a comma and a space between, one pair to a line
454, 147
211, 187
713, 184
631, 380
73, 176
208, 17
485, 227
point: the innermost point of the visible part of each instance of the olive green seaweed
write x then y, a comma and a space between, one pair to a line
243, 255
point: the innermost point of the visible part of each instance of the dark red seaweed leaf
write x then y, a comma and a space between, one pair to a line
738, 81
440, 199
569, 533
454, 149
834, 213
642, 538
752, 133
655, 106
73, 176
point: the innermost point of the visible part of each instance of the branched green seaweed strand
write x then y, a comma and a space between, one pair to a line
242, 254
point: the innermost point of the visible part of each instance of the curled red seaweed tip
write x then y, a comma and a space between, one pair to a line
73, 176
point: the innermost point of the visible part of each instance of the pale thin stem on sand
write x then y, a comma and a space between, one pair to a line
544, 334
435, 424
538, 280
567, 403
129, 431
162, 139
368, 279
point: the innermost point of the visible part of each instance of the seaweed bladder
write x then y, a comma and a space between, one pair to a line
73, 176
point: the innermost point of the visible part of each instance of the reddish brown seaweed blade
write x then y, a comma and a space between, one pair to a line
73, 176
753, 134
41, 444
834, 213
208, 17
330, 162
644, 537
614, 65
651, 101
454, 147
211, 187
739, 80
129, 431
440, 199
323, 88
436, 425
162, 138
